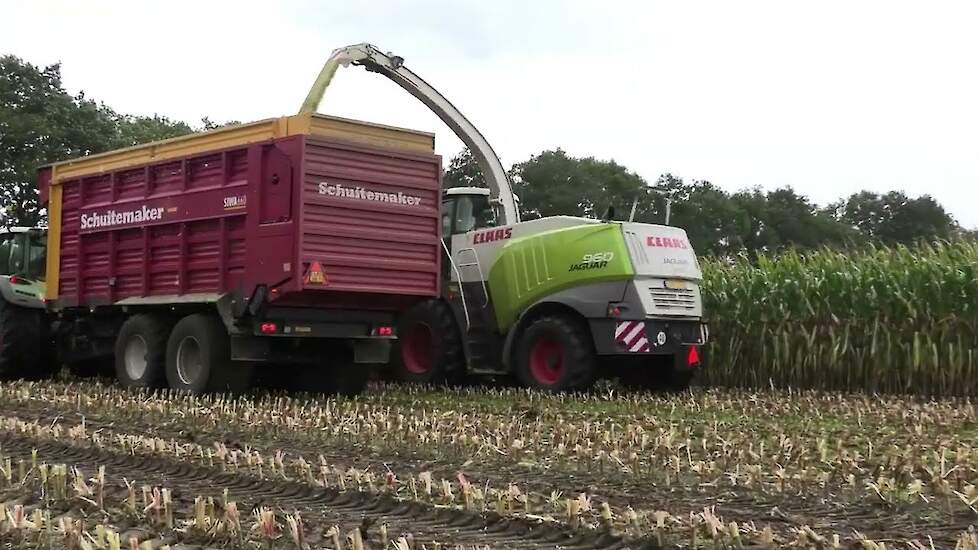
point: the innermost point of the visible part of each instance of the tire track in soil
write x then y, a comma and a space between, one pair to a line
320, 508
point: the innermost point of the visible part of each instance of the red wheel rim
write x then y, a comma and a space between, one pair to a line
547, 361
416, 349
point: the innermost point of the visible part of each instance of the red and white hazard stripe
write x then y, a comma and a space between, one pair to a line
631, 336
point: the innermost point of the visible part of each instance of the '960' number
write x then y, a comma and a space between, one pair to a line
598, 257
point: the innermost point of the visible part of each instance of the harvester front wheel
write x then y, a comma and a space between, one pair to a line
429, 348
555, 353
198, 358
22, 343
140, 352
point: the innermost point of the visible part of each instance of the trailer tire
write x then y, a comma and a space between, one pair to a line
198, 358
429, 348
140, 352
555, 353
23, 353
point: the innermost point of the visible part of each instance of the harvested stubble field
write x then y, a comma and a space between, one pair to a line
471, 468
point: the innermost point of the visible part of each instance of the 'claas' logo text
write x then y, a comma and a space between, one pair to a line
493, 235
666, 242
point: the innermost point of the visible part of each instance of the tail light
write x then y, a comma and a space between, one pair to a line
615, 310
384, 331
693, 356
269, 328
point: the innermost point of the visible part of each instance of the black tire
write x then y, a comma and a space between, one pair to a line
140, 352
198, 358
429, 348
24, 349
555, 353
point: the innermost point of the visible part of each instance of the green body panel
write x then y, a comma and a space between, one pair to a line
530, 268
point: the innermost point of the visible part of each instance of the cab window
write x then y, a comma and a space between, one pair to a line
472, 212
37, 257
16, 265
447, 215
6, 242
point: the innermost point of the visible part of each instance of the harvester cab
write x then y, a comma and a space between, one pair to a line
555, 301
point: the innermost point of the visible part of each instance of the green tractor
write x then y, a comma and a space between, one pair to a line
25, 347
556, 302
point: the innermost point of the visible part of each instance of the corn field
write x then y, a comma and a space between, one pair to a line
93, 467
879, 320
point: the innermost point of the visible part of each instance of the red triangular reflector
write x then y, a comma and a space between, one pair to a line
694, 356
315, 275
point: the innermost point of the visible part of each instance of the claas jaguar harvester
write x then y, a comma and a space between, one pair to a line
555, 301
282, 248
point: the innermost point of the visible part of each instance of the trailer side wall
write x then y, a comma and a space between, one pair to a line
216, 221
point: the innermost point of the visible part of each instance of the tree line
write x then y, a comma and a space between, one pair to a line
717, 222
40, 123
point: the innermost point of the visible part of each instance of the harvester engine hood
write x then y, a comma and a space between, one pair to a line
661, 251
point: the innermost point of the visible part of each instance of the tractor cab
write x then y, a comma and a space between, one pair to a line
23, 259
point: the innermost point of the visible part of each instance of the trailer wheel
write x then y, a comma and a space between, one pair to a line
555, 353
429, 348
198, 358
140, 352
23, 353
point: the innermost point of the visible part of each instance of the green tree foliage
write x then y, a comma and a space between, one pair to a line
554, 183
784, 219
894, 217
135, 130
40, 123
463, 171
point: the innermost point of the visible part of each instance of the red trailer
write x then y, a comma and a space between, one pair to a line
291, 241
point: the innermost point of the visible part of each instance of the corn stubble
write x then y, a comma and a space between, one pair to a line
524, 455
882, 320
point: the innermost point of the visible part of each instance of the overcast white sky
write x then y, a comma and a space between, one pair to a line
829, 97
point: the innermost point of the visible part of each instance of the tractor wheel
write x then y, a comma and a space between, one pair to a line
555, 353
198, 358
140, 352
24, 351
429, 346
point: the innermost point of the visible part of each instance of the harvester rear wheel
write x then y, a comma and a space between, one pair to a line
555, 353
198, 358
140, 352
429, 348
23, 349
